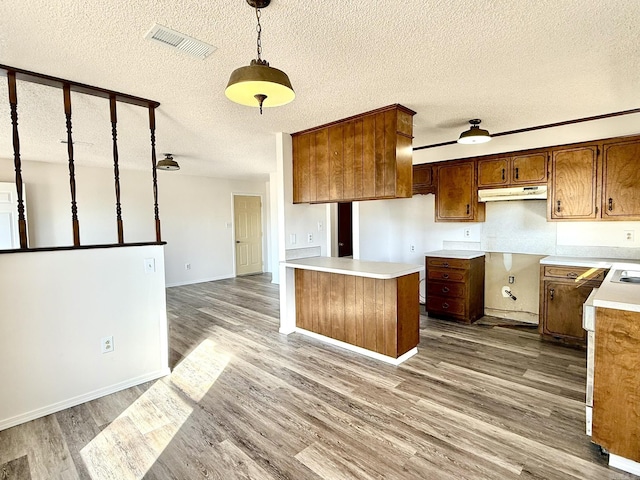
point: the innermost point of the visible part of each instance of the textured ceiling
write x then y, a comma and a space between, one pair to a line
514, 64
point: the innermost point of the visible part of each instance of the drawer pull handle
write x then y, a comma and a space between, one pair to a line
517, 173
445, 305
445, 289
503, 174
610, 204
445, 265
572, 275
468, 210
558, 208
551, 292
445, 275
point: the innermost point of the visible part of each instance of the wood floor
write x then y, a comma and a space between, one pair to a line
482, 401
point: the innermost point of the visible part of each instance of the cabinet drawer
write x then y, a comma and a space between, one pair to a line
448, 290
595, 274
446, 306
447, 262
446, 274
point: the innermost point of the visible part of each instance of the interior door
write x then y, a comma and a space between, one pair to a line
345, 229
9, 233
248, 234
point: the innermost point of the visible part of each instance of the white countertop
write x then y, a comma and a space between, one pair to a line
460, 254
358, 268
580, 261
620, 296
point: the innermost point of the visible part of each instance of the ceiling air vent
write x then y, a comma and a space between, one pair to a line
180, 41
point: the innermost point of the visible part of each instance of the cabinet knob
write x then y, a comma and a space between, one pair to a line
445, 305
445, 275
445, 289
572, 274
551, 293
445, 264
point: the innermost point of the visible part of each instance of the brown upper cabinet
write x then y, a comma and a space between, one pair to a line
524, 169
457, 193
574, 187
423, 179
365, 157
621, 180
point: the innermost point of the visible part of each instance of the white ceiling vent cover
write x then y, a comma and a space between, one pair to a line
180, 41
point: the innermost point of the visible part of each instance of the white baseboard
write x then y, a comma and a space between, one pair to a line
625, 464
87, 397
526, 317
360, 350
200, 280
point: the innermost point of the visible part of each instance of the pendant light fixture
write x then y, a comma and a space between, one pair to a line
167, 163
475, 134
259, 85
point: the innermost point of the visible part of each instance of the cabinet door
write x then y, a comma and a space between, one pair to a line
302, 145
492, 173
562, 309
320, 158
621, 180
336, 162
529, 169
423, 179
574, 184
456, 197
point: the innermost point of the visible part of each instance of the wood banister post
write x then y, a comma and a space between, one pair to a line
72, 169
116, 167
152, 127
13, 102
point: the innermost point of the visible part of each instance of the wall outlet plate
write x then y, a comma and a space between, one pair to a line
149, 265
106, 344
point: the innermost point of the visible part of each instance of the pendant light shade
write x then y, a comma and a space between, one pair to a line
258, 84
167, 163
475, 134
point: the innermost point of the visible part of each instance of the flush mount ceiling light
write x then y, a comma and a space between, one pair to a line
258, 84
475, 134
168, 163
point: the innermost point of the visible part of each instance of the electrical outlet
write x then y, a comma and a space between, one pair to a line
106, 344
467, 233
149, 265
512, 279
187, 266
629, 236
310, 237
412, 248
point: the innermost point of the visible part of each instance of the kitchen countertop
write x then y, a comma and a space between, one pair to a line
620, 296
580, 261
358, 268
460, 254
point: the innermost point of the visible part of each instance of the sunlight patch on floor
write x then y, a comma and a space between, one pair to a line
129, 446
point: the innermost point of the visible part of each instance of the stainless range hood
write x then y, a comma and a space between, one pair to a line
537, 192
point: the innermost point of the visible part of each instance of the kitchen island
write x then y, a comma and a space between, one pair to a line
368, 307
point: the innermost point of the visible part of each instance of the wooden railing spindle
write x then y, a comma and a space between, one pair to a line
13, 101
72, 170
116, 168
152, 127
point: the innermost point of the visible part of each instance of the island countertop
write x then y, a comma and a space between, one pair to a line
358, 268
618, 295
459, 254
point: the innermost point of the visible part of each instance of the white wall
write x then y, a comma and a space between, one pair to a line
55, 307
194, 212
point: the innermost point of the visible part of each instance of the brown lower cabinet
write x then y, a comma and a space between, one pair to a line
455, 288
381, 315
563, 290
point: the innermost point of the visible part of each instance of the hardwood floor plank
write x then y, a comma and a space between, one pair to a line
481, 401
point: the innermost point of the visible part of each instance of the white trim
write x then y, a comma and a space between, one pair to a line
199, 280
87, 397
360, 350
624, 464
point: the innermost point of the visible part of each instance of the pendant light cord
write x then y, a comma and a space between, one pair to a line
259, 30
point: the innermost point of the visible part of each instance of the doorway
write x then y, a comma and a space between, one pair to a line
247, 214
345, 229
9, 232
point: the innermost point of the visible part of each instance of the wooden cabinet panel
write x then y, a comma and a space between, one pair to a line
621, 180
360, 158
529, 169
423, 179
616, 396
455, 288
574, 191
456, 193
336, 161
380, 315
493, 173
563, 290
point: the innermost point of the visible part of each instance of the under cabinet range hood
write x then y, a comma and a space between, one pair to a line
538, 192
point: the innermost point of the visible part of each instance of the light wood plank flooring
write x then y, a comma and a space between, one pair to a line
485, 401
